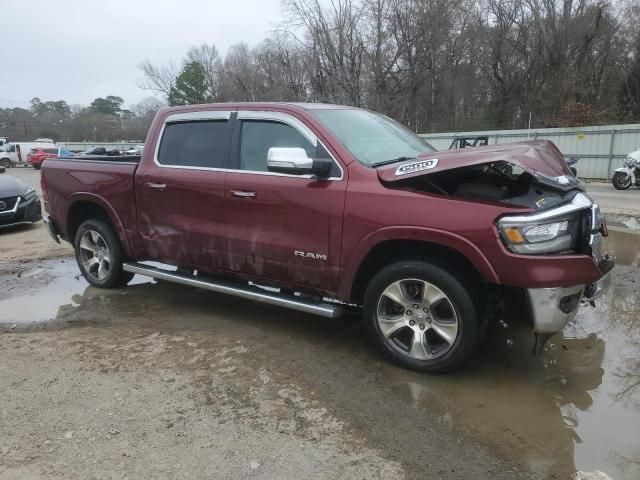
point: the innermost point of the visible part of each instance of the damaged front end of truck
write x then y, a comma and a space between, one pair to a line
547, 214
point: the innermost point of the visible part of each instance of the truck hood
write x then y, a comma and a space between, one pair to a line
539, 158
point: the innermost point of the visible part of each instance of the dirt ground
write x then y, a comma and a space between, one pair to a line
159, 380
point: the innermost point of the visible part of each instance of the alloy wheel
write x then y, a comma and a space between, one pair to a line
417, 319
95, 255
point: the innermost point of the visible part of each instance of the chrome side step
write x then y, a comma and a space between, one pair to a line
322, 309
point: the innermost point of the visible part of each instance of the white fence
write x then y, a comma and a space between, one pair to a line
600, 149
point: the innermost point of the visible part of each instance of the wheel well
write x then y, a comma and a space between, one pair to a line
395, 250
81, 211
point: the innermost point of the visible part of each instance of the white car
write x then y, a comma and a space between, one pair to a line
137, 150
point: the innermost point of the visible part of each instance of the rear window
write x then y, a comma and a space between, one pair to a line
195, 144
50, 150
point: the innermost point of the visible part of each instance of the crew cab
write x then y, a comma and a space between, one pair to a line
325, 208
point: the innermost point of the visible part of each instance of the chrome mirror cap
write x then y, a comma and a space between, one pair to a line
291, 159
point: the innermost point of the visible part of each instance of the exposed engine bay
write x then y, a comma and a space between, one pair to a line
495, 182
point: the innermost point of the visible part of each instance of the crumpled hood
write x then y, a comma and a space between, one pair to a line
11, 186
540, 156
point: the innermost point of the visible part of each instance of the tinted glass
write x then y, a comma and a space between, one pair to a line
259, 136
194, 144
371, 137
50, 150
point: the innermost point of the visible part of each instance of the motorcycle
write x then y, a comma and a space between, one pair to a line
571, 161
629, 173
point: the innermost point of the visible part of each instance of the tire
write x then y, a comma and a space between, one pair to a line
621, 181
99, 255
37, 167
438, 335
5, 162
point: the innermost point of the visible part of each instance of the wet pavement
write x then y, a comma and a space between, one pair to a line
577, 407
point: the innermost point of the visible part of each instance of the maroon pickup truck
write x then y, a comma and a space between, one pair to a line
325, 208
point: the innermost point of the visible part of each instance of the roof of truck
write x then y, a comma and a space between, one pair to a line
301, 105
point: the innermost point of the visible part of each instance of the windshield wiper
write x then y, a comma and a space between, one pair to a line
393, 160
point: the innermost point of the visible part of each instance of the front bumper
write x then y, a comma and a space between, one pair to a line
553, 308
24, 212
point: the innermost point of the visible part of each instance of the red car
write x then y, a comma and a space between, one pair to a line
36, 156
338, 208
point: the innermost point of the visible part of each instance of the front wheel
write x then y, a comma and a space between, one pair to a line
422, 316
621, 180
5, 162
99, 255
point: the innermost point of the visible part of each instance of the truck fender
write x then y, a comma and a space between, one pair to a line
440, 237
113, 216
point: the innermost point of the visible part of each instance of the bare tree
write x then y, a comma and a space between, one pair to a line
158, 79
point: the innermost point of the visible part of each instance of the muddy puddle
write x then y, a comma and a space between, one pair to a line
577, 407
48, 292
625, 245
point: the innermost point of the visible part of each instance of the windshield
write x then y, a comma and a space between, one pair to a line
371, 137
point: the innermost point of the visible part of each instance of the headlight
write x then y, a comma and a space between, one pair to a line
29, 193
539, 238
562, 229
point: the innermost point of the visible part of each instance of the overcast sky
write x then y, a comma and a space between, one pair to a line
77, 50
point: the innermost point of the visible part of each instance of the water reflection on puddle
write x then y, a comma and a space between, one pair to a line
577, 407
625, 245
48, 292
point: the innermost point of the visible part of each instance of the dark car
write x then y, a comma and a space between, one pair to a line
100, 151
19, 203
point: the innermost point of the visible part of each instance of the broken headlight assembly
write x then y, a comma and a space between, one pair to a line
539, 238
560, 230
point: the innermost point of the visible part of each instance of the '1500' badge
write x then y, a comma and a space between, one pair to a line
416, 167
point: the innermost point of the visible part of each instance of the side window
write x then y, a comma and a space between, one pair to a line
195, 144
258, 136
12, 148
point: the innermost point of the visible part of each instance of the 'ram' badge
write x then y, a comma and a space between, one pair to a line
416, 167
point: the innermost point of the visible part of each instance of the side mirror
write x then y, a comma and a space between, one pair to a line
295, 161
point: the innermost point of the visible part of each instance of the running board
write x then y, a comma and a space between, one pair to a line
322, 309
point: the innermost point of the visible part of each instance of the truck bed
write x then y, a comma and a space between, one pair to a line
106, 181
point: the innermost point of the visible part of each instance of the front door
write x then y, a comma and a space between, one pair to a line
180, 194
286, 228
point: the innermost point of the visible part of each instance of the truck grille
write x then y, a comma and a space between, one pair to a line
7, 203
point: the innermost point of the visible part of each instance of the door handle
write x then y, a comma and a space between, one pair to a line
243, 194
156, 186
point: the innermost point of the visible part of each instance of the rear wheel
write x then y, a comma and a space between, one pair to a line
99, 255
422, 316
36, 166
5, 162
621, 180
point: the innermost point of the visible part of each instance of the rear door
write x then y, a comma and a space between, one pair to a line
286, 228
180, 194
